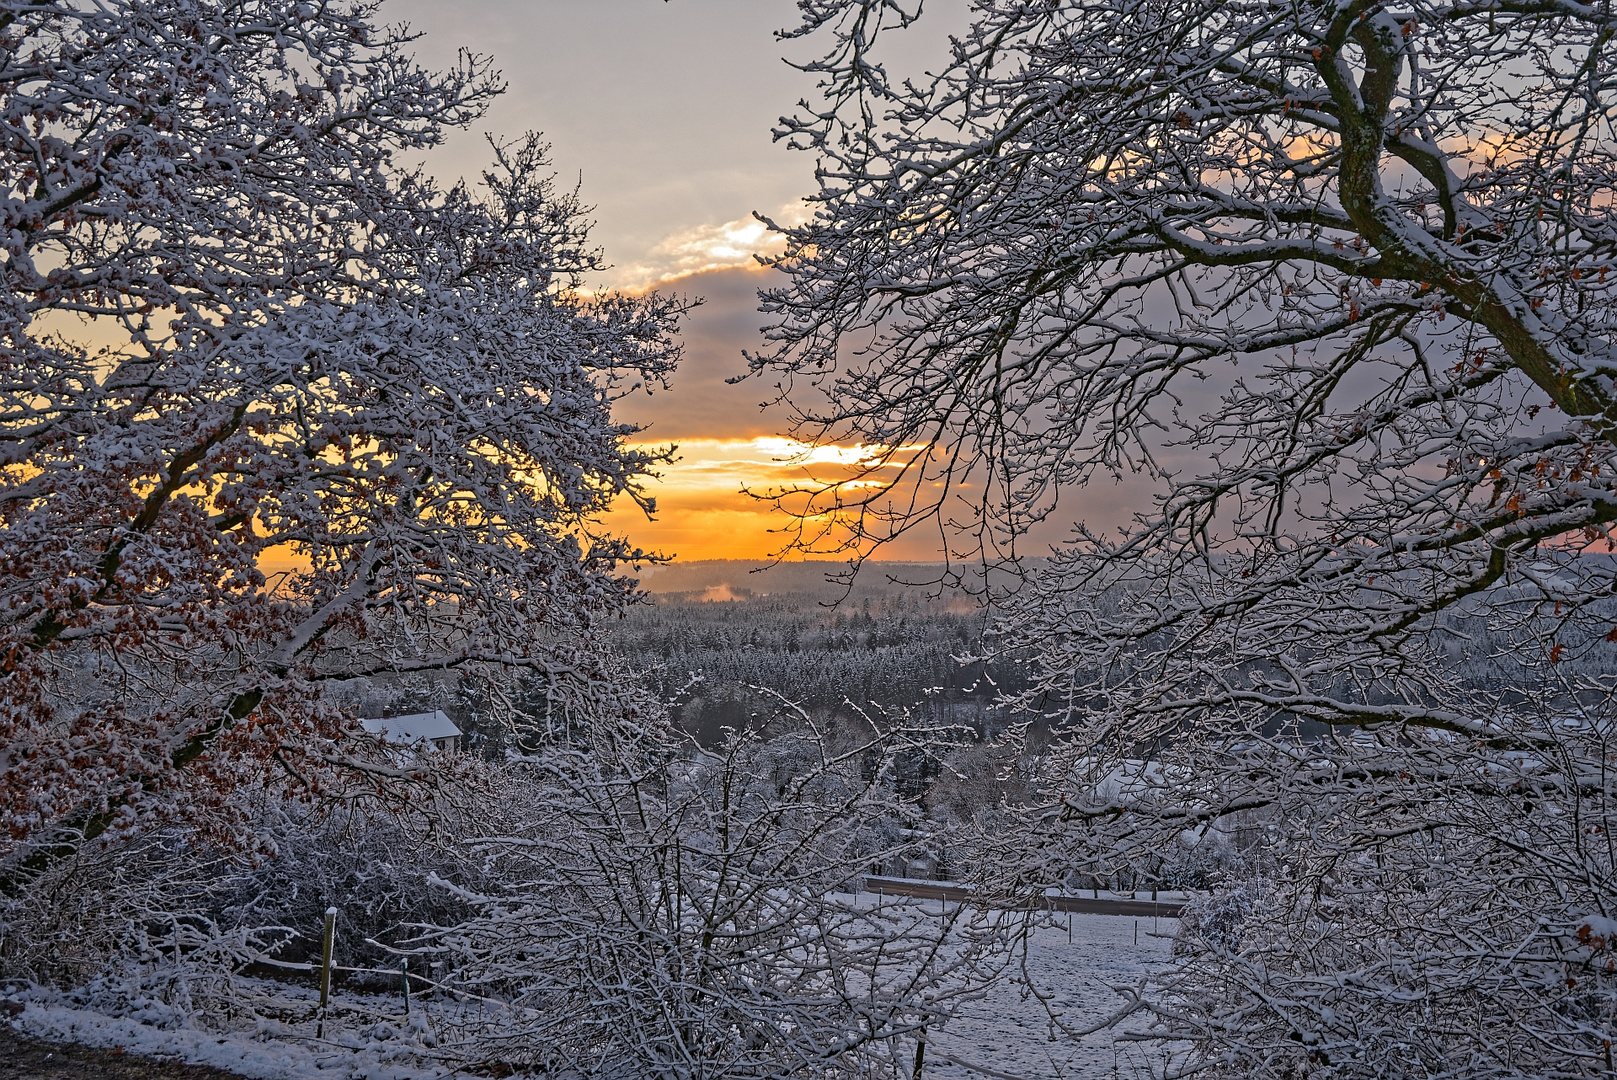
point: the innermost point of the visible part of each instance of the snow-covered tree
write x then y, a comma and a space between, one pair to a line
661, 910
276, 410
1328, 284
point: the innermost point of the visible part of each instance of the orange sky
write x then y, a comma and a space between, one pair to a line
727, 440
664, 114
704, 511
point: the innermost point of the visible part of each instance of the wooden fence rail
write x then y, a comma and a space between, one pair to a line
932, 890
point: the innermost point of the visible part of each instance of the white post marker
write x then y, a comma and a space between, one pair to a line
325, 969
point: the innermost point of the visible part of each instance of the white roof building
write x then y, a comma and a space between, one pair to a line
434, 727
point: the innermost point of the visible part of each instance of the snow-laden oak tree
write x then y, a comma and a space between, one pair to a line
1333, 279
276, 411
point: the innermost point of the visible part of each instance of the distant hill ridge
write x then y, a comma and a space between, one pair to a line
746, 579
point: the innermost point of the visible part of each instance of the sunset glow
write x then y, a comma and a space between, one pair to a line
712, 503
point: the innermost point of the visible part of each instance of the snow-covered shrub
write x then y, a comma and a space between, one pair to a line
127, 908
1215, 920
376, 871
661, 910
1440, 910
174, 909
620, 902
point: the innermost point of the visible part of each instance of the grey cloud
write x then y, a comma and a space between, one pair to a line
700, 404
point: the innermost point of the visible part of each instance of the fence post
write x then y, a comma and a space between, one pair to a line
404, 977
325, 968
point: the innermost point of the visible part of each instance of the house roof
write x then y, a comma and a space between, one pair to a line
412, 727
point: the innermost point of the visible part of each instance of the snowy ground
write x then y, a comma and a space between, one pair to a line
361, 1043
1012, 1036
1006, 1034
1002, 1034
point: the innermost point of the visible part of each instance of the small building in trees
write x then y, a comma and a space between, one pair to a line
409, 730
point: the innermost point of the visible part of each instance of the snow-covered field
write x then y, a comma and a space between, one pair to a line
1012, 1036
1002, 1034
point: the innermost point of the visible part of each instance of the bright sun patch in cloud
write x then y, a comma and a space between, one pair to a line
708, 246
704, 511
769, 459
712, 247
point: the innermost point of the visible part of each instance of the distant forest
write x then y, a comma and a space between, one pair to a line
726, 645
717, 632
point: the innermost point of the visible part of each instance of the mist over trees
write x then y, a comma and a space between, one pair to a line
715, 630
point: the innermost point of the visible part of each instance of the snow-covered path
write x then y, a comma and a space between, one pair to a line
263, 1055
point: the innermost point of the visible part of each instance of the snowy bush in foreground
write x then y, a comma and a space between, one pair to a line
664, 911
1395, 902
620, 902
174, 907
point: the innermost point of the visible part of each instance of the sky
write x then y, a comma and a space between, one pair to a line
662, 112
